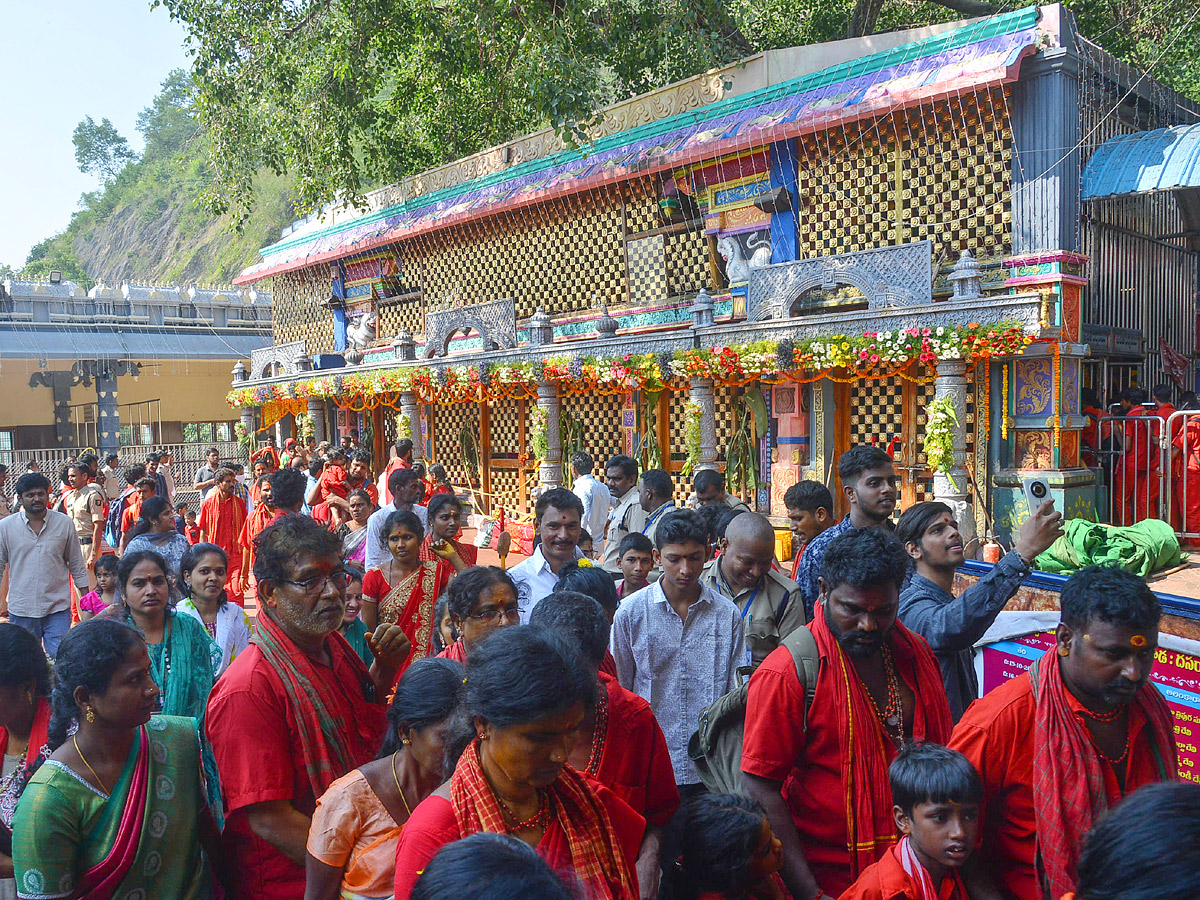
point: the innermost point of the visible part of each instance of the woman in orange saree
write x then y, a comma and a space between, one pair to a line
404, 590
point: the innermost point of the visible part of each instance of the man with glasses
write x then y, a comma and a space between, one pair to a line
298, 709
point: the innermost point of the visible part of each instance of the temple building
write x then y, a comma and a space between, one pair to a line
887, 240
113, 368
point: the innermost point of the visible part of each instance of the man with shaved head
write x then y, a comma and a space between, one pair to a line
768, 600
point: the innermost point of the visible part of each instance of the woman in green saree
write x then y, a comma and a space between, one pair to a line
118, 809
184, 660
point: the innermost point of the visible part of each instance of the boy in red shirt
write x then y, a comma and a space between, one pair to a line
937, 795
191, 530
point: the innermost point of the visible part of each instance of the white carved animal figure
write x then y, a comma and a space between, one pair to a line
737, 267
760, 248
362, 333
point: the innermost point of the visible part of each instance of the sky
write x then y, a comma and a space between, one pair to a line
64, 60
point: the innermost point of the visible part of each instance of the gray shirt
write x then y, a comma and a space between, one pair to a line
679, 666
952, 624
203, 474
377, 554
40, 566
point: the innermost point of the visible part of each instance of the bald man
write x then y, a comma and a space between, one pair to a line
768, 600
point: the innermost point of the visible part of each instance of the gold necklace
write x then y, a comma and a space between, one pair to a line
75, 741
400, 790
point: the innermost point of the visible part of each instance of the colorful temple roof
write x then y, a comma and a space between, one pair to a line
973, 57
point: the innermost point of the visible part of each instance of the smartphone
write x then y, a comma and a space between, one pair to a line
1037, 491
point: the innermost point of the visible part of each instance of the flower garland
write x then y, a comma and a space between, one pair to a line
940, 421
693, 416
305, 427
868, 355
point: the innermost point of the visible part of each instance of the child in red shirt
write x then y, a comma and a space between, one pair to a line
937, 795
190, 529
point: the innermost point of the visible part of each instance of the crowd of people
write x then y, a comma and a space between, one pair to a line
310, 688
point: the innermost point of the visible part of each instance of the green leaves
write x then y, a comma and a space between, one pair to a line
100, 149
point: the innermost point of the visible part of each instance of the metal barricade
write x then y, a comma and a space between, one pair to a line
1182, 487
1134, 456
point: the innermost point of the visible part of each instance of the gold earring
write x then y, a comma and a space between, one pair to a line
405, 741
1064, 651
29, 696
91, 716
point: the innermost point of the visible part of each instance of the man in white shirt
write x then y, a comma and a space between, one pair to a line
621, 476
40, 550
406, 491
677, 643
110, 478
596, 500
557, 525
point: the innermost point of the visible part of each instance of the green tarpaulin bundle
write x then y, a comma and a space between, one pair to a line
1142, 548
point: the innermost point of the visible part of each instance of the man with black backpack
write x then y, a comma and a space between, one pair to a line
817, 756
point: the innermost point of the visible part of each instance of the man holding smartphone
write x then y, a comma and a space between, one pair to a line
951, 625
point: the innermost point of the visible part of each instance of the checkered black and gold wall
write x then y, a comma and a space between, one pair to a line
448, 423
298, 309
600, 416
564, 256
940, 173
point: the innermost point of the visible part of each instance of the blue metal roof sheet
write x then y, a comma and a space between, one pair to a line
1146, 161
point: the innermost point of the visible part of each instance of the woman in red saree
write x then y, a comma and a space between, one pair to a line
445, 524
525, 696
118, 809
404, 591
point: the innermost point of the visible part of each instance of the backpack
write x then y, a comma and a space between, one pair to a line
715, 747
112, 523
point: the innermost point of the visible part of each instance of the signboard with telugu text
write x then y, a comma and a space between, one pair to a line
1176, 674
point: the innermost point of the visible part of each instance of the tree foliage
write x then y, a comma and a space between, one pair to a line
100, 149
350, 94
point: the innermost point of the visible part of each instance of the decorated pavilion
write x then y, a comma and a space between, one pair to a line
883, 240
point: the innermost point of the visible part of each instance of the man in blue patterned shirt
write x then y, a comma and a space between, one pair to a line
869, 483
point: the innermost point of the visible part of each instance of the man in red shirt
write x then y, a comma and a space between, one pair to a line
1059, 745
260, 517
146, 487
1137, 480
822, 772
296, 710
403, 451
222, 515
620, 744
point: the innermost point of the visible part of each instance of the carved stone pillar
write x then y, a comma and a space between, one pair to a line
410, 408
248, 421
316, 410
700, 392
550, 470
954, 488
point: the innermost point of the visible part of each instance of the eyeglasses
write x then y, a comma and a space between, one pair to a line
340, 577
488, 616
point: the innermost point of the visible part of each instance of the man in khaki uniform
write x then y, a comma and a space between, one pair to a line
621, 477
768, 600
84, 503
708, 489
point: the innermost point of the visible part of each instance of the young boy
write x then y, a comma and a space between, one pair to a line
810, 511
937, 795
677, 643
191, 530
585, 543
635, 556
180, 518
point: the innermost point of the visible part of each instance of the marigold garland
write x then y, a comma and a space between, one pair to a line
873, 354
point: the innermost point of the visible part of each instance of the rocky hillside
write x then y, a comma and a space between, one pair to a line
145, 223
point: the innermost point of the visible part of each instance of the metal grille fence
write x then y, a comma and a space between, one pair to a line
185, 460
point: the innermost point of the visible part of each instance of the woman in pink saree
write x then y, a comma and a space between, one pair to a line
118, 809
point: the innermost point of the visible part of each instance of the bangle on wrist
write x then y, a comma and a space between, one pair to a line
819, 894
